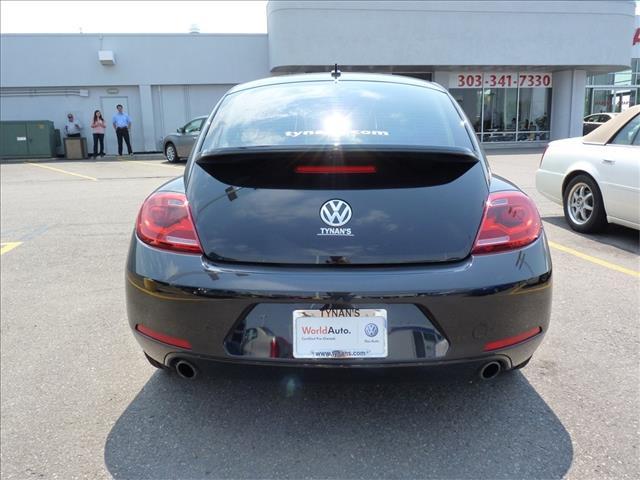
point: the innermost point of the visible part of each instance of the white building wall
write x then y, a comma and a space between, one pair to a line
168, 79
45, 104
149, 59
164, 79
155, 110
450, 33
445, 36
175, 105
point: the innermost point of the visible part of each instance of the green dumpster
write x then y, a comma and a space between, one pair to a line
28, 139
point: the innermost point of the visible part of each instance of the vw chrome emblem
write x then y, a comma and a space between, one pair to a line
371, 329
335, 213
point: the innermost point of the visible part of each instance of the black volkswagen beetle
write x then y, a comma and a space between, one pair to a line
338, 221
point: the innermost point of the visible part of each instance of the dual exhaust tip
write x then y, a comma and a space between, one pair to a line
188, 371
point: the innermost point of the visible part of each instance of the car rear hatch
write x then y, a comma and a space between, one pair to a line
357, 205
360, 170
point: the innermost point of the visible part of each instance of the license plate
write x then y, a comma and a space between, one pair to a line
340, 333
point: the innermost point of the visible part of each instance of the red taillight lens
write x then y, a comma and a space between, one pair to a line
165, 222
508, 342
349, 169
510, 221
274, 350
161, 337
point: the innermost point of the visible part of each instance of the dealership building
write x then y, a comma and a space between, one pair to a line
524, 72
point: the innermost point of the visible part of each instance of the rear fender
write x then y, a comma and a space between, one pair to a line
580, 167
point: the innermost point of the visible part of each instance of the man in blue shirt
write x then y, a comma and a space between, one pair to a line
122, 124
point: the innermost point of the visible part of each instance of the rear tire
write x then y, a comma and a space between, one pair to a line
155, 363
171, 153
583, 205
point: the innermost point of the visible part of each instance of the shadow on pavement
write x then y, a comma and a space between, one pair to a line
254, 423
624, 238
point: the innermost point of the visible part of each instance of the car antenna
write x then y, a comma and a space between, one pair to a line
336, 73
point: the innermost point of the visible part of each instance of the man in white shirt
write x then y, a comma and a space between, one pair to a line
72, 128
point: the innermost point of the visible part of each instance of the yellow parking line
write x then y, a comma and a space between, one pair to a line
597, 261
153, 164
8, 246
59, 170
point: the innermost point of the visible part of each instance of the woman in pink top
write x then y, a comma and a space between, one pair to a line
98, 127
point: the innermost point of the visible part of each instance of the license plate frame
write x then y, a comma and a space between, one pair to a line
340, 333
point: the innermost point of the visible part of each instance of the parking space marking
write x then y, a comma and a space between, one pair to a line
59, 170
8, 246
595, 260
153, 164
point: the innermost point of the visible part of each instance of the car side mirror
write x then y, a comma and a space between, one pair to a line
180, 130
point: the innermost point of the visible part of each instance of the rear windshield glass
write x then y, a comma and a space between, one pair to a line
337, 113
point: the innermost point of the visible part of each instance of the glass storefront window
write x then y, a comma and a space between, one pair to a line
604, 100
610, 79
471, 101
600, 100
613, 92
500, 114
533, 114
507, 114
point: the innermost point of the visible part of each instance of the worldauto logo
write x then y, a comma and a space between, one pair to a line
335, 213
371, 329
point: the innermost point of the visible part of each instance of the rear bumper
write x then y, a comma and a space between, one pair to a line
508, 358
439, 314
549, 184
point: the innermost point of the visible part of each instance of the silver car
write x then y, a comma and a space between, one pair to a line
178, 145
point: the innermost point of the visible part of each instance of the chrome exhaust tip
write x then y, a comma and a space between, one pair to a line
186, 370
490, 370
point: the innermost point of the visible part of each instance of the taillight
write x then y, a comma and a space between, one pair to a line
507, 342
163, 337
323, 169
274, 350
510, 221
165, 222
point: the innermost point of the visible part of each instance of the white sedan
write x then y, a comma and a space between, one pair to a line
596, 178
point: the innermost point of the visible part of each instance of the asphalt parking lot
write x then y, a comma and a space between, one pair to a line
80, 401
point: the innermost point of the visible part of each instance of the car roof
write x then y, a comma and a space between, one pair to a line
344, 76
604, 133
611, 114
